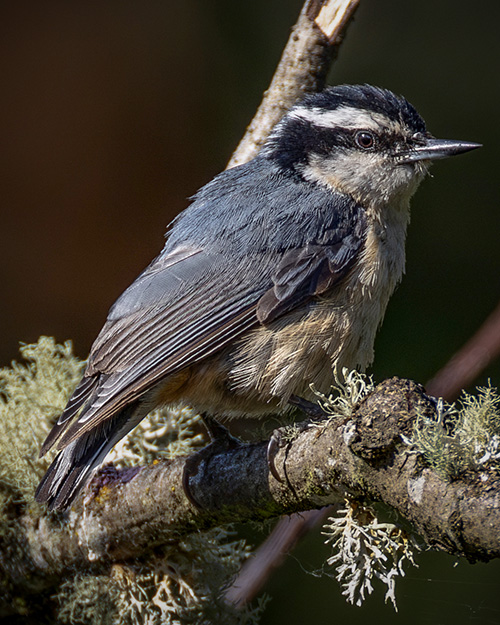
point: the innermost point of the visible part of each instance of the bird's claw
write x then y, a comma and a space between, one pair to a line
274, 445
312, 410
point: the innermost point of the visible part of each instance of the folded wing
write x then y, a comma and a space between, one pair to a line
187, 305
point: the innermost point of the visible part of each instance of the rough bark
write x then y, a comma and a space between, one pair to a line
130, 514
313, 44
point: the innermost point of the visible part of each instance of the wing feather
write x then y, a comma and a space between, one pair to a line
187, 305
309, 271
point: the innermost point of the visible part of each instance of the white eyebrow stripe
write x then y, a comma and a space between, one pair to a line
342, 117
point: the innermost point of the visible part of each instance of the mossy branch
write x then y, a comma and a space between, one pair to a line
364, 456
128, 515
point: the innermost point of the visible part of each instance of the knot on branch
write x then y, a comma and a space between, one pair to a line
384, 415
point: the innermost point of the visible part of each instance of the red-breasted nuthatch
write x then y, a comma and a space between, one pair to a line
280, 270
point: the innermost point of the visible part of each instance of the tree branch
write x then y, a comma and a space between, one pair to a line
364, 456
460, 371
313, 44
468, 363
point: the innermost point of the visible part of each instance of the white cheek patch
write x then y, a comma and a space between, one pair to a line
346, 117
370, 178
349, 173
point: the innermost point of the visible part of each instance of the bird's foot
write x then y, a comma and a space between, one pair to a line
220, 441
312, 410
278, 440
219, 434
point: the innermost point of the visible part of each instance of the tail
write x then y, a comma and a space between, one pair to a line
72, 467
68, 474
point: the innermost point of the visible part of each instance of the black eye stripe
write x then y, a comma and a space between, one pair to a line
298, 139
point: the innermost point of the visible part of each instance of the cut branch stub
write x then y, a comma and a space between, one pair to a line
386, 415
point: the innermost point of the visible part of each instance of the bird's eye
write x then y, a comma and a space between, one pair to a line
365, 139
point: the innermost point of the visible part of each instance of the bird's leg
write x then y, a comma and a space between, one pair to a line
219, 435
276, 442
220, 441
312, 410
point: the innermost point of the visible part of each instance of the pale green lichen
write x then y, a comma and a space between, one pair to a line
348, 390
184, 584
463, 436
162, 434
366, 549
289, 433
32, 395
89, 600
458, 438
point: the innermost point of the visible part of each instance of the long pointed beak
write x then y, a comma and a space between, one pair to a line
437, 148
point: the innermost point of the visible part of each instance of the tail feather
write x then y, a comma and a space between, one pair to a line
68, 474
72, 467
82, 395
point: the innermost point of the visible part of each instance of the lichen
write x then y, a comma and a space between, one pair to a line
31, 397
462, 436
163, 434
182, 584
89, 600
364, 549
346, 393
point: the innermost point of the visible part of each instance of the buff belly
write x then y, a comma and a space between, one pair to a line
257, 374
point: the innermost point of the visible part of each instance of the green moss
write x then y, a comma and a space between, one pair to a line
311, 486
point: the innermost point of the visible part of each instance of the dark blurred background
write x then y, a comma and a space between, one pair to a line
113, 113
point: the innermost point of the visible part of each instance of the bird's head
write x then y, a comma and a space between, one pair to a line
360, 140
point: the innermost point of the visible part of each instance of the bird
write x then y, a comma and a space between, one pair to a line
279, 271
